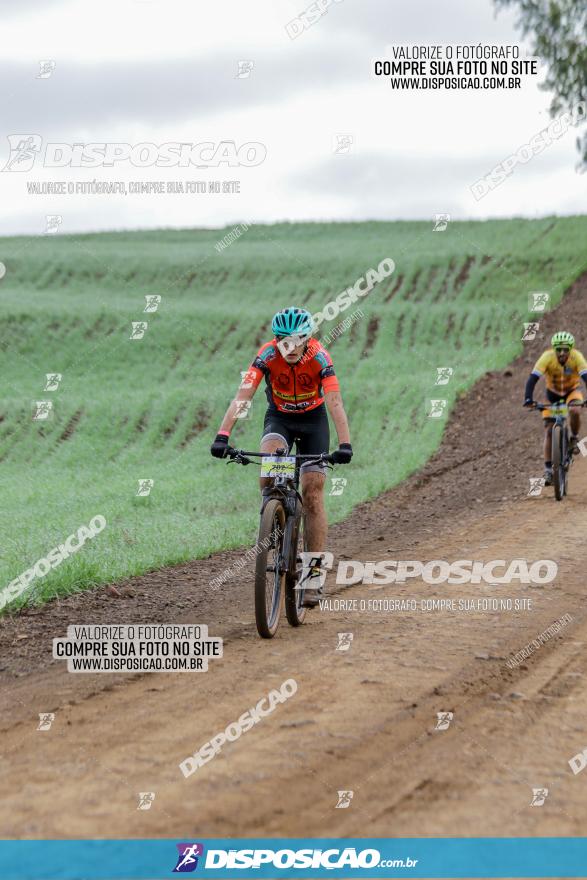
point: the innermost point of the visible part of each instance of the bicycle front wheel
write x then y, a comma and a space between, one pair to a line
567, 459
294, 596
558, 463
270, 569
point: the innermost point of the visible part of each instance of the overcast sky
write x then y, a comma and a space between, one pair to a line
160, 71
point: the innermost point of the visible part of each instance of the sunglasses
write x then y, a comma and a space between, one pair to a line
562, 348
295, 341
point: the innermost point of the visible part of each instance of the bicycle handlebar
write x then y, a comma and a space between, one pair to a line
537, 405
243, 457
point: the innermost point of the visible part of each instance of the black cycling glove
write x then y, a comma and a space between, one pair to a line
343, 454
220, 445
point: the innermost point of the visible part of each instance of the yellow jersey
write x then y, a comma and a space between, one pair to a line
561, 378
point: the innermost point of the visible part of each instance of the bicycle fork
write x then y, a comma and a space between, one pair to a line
287, 542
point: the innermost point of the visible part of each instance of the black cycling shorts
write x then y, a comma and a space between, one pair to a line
311, 430
554, 397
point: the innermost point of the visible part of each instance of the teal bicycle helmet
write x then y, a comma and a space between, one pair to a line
292, 321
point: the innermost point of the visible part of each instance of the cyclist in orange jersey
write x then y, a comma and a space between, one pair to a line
301, 386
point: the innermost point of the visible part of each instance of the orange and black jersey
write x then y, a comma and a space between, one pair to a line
293, 388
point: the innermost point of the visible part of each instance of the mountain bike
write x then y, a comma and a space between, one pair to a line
279, 569
562, 456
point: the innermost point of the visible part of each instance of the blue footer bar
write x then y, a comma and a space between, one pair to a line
286, 858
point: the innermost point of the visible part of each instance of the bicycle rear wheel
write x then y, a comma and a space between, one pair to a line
567, 459
269, 569
558, 463
294, 609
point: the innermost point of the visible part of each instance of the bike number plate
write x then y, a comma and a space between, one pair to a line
275, 465
559, 409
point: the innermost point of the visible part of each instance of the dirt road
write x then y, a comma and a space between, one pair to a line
363, 720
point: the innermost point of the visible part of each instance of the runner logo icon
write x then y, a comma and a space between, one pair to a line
444, 719
539, 795
187, 859
23, 151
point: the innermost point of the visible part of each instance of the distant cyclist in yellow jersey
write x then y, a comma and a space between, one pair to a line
563, 367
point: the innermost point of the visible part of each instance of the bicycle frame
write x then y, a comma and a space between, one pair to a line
562, 458
288, 496
284, 487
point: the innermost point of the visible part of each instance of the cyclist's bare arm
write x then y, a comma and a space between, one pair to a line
230, 417
338, 415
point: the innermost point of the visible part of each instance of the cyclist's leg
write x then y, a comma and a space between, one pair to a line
276, 435
314, 439
574, 417
548, 423
313, 499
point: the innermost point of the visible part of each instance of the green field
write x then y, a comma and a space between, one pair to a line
130, 409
